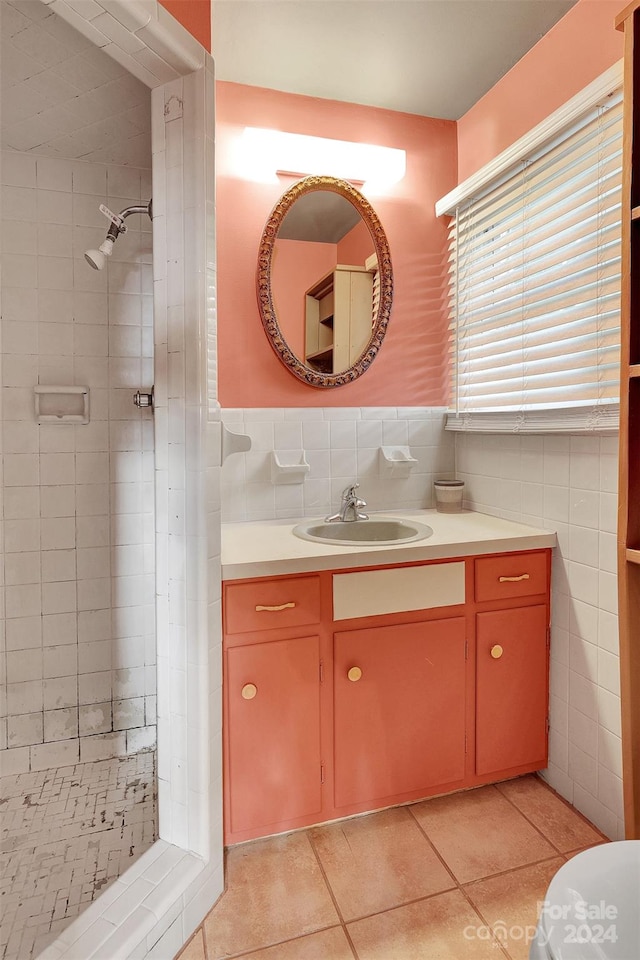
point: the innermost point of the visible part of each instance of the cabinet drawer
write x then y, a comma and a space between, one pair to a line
270, 604
369, 593
510, 575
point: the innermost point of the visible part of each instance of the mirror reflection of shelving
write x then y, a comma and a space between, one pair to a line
339, 313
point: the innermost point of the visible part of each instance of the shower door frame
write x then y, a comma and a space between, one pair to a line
156, 904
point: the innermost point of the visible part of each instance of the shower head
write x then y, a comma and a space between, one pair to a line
98, 258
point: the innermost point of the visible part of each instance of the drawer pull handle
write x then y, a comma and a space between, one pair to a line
523, 576
249, 691
496, 651
354, 674
279, 606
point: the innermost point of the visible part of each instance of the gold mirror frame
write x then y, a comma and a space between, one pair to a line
265, 298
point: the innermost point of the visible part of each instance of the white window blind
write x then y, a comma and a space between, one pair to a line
535, 287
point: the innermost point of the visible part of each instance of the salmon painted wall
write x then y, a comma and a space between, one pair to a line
411, 368
195, 15
356, 246
581, 46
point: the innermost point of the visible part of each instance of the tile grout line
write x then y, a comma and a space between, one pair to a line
269, 946
537, 828
458, 885
332, 895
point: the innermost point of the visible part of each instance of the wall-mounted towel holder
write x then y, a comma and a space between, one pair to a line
231, 442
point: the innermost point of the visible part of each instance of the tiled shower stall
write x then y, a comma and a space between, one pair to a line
78, 498
111, 571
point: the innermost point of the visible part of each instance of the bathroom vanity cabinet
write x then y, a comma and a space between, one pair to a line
353, 690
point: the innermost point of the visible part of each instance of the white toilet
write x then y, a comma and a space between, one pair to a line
591, 909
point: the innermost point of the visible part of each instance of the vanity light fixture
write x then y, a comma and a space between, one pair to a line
265, 153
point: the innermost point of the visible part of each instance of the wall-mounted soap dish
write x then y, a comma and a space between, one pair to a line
395, 462
289, 466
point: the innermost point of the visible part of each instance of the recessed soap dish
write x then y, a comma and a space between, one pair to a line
61, 404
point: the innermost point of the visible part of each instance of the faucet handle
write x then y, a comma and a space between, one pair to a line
349, 493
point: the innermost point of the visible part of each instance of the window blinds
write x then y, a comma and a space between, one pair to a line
535, 287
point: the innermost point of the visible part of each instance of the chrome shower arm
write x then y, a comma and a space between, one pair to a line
116, 227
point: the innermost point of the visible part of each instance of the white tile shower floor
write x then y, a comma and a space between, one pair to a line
67, 833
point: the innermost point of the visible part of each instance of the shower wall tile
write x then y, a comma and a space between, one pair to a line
80, 610
568, 484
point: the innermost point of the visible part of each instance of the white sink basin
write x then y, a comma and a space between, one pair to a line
375, 532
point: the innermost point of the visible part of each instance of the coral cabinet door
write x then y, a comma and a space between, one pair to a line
512, 678
273, 692
399, 709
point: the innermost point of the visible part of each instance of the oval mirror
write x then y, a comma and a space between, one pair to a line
325, 282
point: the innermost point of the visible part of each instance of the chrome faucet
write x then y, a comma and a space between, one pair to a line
351, 505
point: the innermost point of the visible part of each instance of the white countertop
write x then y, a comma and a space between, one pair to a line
264, 548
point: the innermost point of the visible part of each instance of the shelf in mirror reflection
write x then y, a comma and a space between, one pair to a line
324, 281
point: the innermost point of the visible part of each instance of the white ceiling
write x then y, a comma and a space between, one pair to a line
63, 97
434, 58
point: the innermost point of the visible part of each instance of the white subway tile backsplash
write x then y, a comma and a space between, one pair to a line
609, 672
584, 508
610, 751
341, 446
610, 791
555, 503
583, 545
583, 769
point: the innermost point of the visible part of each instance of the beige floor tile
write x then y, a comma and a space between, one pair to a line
509, 903
444, 927
194, 949
479, 833
561, 825
275, 891
326, 945
377, 862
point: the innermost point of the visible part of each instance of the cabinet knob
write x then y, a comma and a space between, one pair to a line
249, 691
496, 651
354, 674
